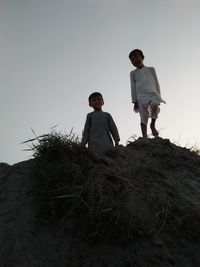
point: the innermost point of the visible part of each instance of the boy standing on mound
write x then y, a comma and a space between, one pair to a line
145, 92
99, 127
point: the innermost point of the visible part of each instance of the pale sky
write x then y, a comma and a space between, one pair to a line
54, 53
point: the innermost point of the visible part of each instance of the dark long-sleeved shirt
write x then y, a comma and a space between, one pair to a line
99, 130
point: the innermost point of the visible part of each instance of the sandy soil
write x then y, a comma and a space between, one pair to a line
26, 240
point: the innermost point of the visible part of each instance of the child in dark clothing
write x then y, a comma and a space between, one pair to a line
100, 128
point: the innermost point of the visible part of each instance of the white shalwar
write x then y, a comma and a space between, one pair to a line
145, 90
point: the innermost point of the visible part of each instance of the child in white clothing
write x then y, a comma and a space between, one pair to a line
145, 92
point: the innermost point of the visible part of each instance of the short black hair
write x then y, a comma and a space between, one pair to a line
136, 51
95, 94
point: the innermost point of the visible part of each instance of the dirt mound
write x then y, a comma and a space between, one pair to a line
137, 206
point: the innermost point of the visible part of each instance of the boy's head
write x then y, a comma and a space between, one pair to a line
136, 57
96, 100
136, 52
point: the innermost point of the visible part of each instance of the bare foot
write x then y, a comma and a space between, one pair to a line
153, 130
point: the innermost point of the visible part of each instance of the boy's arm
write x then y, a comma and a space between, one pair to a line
113, 130
157, 84
133, 92
86, 131
156, 80
133, 88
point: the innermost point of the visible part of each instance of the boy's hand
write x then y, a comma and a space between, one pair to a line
116, 142
136, 107
83, 143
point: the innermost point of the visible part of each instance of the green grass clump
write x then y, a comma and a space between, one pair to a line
68, 184
53, 146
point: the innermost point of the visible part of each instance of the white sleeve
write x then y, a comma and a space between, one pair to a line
133, 88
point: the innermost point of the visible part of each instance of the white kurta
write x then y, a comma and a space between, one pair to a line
144, 84
145, 89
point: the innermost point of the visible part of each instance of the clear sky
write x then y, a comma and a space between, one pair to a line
55, 53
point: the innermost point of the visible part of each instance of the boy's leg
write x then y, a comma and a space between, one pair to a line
143, 129
144, 118
154, 114
153, 128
